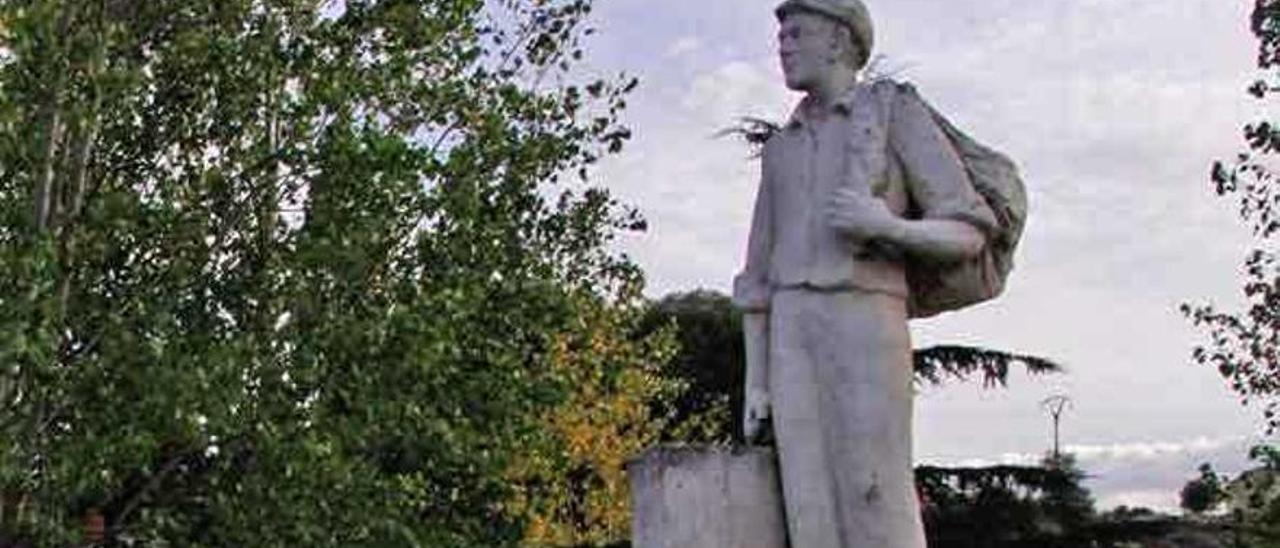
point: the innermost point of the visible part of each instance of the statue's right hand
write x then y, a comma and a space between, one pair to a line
861, 216
756, 417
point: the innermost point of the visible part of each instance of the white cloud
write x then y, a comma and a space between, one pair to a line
683, 46
1140, 451
1146, 474
735, 89
694, 187
1159, 500
1132, 452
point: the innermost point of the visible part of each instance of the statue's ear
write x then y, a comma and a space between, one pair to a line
847, 50
835, 47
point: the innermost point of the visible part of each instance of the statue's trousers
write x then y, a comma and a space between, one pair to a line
841, 385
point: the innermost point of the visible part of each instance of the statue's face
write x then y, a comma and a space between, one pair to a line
807, 49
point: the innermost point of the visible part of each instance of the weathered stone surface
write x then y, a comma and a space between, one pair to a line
871, 209
704, 497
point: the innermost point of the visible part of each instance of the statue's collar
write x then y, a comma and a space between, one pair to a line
843, 105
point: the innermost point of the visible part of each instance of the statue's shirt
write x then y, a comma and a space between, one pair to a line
875, 140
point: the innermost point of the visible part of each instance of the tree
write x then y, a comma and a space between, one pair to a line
298, 272
1246, 506
1007, 506
575, 490
710, 357
1041, 506
1242, 345
1064, 500
937, 364
708, 365
1203, 493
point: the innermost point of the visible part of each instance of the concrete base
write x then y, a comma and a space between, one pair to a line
704, 497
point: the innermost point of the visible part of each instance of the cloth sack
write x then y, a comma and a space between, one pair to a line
937, 288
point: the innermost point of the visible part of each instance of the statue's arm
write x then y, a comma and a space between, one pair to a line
942, 240
751, 294
751, 290
757, 406
955, 219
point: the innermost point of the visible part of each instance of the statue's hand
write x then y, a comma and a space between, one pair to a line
860, 216
756, 414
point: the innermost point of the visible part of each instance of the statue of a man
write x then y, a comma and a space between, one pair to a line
861, 182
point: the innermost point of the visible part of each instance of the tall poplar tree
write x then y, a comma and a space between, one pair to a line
310, 273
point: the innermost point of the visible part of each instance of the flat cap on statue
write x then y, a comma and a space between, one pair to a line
851, 13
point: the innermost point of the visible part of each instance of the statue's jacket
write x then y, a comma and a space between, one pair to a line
876, 140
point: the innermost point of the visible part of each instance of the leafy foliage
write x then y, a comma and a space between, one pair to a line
307, 273
755, 132
1008, 506
1204, 493
1242, 345
708, 365
1246, 507
938, 363
576, 492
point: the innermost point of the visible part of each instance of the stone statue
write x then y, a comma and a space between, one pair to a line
868, 213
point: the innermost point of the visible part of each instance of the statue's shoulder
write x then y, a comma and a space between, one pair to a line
887, 90
885, 84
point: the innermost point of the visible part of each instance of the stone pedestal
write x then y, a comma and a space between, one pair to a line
704, 497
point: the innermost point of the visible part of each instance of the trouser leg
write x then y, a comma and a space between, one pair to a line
840, 376
804, 467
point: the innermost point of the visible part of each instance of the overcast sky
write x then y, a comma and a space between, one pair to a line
1114, 110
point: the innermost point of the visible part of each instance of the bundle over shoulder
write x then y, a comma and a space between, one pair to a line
937, 288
